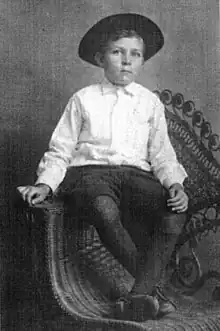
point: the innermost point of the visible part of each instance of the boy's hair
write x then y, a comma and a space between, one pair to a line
115, 35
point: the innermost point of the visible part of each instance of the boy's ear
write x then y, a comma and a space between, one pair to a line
99, 57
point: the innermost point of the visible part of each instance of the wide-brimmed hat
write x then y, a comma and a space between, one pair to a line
145, 28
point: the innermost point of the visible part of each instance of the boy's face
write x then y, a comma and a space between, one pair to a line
122, 60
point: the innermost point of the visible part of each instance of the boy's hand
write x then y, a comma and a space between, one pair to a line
34, 194
178, 198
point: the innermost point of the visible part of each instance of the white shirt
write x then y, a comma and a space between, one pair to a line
103, 124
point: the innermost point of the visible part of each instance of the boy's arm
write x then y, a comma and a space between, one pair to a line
53, 165
161, 152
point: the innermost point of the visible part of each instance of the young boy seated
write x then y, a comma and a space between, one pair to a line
122, 168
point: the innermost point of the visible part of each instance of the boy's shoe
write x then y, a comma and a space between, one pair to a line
166, 305
137, 307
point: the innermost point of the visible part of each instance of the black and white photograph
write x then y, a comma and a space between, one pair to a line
110, 161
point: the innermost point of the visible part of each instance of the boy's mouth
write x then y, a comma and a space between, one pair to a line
126, 71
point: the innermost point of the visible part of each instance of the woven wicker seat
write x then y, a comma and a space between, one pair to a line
85, 277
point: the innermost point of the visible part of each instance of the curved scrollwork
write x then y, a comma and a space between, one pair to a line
188, 270
187, 110
197, 148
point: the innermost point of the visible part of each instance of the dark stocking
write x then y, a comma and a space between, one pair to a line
106, 218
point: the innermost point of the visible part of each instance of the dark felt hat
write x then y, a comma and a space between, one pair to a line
145, 28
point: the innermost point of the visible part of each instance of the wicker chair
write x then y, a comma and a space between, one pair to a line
84, 275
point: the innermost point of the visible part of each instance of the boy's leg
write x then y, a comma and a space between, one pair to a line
148, 204
97, 198
152, 270
105, 216
166, 239
156, 278
98, 195
93, 193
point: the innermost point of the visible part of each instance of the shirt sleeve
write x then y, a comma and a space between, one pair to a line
162, 156
54, 163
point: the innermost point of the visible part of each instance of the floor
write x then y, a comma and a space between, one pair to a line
31, 306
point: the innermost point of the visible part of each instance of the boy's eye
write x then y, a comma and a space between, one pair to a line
115, 51
137, 54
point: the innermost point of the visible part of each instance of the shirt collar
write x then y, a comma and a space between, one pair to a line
108, 87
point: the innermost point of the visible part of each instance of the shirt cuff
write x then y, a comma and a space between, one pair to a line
167, 182
52, 183
177, 176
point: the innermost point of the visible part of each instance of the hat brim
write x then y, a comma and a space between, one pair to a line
145, 28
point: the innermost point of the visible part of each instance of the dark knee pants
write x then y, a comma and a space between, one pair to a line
139, 196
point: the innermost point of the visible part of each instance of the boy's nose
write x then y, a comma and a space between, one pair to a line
126, 60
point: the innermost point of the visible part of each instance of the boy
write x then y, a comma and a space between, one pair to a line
122, 169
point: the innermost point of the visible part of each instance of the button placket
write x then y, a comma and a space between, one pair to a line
117, 119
